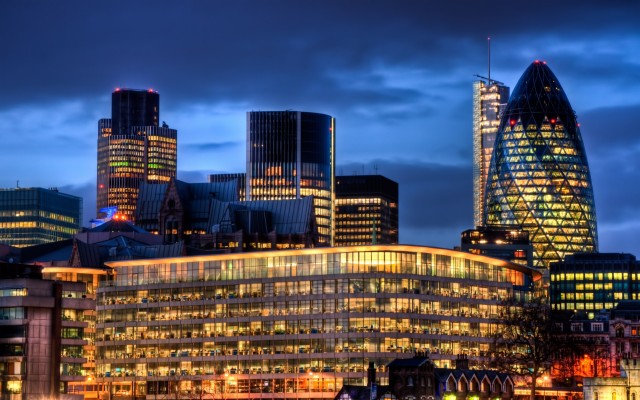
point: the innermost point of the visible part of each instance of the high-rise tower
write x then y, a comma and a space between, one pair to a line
133, 148
366, 210
290, 155
489, 99
539, 177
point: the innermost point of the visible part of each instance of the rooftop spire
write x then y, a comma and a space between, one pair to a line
489, 59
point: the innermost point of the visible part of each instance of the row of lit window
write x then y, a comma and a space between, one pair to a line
162, 139
18, 225
583, 306
361, 200
599, 276
289, 267
13, 292
590, 296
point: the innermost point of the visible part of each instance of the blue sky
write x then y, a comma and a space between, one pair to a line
397, 75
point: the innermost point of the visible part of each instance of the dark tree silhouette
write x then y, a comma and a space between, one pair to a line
527, 340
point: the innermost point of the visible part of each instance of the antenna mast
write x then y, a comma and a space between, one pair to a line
489, 59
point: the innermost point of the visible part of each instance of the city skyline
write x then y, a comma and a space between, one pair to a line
398, 80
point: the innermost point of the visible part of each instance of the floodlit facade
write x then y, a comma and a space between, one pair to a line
489, 99
366, 210
31, 216
133, 148
294, 323
539, 178
290, 155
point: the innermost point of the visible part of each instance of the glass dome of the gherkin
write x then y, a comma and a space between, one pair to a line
539, 176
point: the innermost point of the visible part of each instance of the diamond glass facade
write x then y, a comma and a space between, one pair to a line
539, 176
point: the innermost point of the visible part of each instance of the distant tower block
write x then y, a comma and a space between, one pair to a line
133, 148
489, 99
290, 155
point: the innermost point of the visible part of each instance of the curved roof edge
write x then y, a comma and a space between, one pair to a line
333, 250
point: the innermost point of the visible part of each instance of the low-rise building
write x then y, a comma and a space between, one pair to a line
418, 379
506, 243
41, 334
208, 216
624, 387
593, 281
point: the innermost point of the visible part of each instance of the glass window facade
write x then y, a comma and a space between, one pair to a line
294, 324
366, 210
130, 152
290, 155
593, 282
30, 216
489, 99
539, 178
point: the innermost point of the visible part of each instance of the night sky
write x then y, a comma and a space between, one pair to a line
396, 75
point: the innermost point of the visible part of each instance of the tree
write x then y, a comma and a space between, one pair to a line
527, 340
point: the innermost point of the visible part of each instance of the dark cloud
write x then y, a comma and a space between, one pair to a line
396, 75
611, 130
215, 146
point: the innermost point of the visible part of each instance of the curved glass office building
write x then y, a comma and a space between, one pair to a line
294, 323
539, 176
290, 155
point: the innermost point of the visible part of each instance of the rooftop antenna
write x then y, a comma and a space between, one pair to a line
375, 168
488, 78
489, 58
17, 184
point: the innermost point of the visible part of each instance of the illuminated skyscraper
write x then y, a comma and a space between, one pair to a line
489, 99
366, 210
290, 155
133, 148
31, 216
539, 177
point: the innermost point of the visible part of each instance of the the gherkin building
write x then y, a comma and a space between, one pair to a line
539, 176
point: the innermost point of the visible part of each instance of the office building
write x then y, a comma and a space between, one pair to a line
366, 210
539, 179
625, 386
82, 259
41, 334
290, 155
133, 148
505, 243
239, 178
208, 216
294, 323
593, 281
489, 100
30, 216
